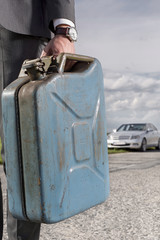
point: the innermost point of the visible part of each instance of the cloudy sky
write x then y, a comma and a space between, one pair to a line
125, 36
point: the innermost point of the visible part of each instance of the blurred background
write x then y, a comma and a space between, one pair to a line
125, 36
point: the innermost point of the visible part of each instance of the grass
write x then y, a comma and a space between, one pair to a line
116, 150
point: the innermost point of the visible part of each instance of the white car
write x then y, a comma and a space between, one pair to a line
135, 136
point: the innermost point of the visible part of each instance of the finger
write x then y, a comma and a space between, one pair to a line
43, 54
69, 65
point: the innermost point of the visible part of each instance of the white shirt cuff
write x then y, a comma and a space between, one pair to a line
59, 21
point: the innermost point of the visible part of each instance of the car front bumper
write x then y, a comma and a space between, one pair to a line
132, 144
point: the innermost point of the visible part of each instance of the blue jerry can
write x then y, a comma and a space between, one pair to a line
55, 139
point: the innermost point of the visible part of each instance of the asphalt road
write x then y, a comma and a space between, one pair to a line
134, 160
131, 212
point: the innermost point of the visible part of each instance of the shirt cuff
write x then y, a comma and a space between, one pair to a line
59, 21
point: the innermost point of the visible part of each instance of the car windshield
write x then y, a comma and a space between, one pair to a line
132, 127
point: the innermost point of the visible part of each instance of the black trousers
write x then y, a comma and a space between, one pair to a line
14, 49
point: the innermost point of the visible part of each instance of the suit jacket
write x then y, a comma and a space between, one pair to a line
34, 17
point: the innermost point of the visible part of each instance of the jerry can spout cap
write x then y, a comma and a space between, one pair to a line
36, 68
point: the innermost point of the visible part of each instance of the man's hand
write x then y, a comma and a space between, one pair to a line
58, 44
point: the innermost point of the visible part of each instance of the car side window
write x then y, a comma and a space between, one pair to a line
154, 128
150, 126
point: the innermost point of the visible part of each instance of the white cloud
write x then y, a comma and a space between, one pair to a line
132, 98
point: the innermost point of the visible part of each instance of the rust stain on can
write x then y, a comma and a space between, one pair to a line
39, 181
61, 149
52, 187
64, 191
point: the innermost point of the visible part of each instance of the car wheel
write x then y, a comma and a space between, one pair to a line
158, 147
144, 145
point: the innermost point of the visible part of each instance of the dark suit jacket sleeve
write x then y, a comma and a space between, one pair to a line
60, 9
34, 17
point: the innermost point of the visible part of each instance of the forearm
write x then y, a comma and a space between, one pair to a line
64, 17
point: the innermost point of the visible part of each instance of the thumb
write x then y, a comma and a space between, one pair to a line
43, 54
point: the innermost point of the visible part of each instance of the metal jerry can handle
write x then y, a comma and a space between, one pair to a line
62, 59
38, 68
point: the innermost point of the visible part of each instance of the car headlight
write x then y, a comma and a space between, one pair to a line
109, 137
135, 137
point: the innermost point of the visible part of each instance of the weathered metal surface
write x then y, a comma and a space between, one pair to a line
1, 212
12, 148
30, 153
63, 143
37, 68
